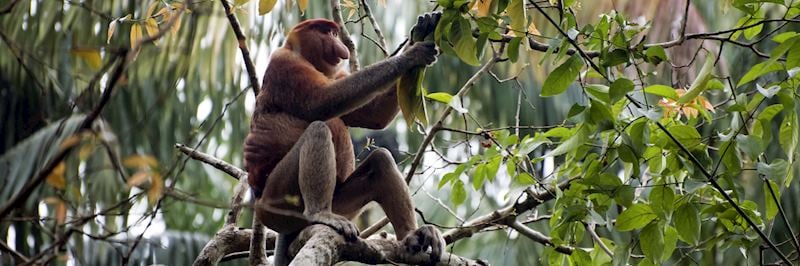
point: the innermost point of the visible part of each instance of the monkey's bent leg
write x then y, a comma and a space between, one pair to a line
377, 179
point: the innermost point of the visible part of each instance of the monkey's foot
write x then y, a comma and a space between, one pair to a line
426, 24
424, 237
342, 225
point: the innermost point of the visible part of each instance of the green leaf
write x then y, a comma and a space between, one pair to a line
559, 80
410, 95
662, 199
441, 97
492, 166
513, 49
759, 70
465, 44
572, 143
651, 240
769, 113
525, 179
686, 135
635, 217
619, 88
662, 90
519, 21
459, 194
670, 242
769, 202
655, 54
478, 176
687, 222
751, 32
699, 84
788, 135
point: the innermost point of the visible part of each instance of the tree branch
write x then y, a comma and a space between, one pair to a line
248, 62
321, 245
336, 14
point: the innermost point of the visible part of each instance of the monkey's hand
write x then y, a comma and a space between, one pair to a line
424, 237
426, 24
342, 225
421, 54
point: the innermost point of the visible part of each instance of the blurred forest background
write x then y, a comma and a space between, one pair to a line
126, 194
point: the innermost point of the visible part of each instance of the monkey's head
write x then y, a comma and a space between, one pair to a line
317, 40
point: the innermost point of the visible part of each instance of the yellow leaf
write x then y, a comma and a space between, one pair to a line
140, 161
240, 2
162, 12
90, 56
136, 35
112, 27
532, 30
138, 178
265, 6
151, 8
56, 177
156, 188
151, 26
482, 7
302, 4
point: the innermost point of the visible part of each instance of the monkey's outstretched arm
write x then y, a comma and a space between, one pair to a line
308, 94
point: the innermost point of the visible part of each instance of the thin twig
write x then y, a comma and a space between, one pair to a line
242, 40
381, 40
336, 13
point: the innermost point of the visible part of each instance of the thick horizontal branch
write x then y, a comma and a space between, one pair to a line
321, 245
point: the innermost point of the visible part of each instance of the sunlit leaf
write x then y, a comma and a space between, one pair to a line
580, 137
442, 97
